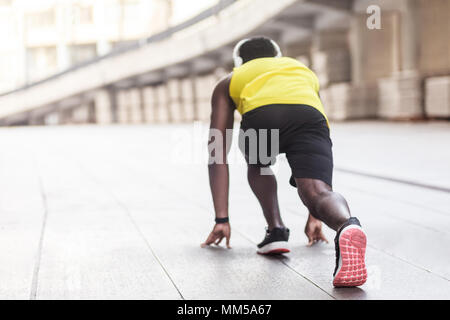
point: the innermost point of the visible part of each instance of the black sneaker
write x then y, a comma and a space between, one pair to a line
275, 242
350, 243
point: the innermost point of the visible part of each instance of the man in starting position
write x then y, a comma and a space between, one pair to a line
279, 97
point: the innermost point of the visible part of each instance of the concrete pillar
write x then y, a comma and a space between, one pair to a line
433, 32
113, 104
92, 112
65, 115
166, 99
174, 100
401, 94
330, 56
437, 97
183, 113
302, 51
155, 103
409, 36
142, 104
128, 106
385, 59
433, 29
122, 106
80, 114
187, 98
364, 52
103, 107
205, 85
195, 103
148, 104
162, 112
375, 52
134, 114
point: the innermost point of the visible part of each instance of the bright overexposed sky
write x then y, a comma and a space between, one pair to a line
185, 9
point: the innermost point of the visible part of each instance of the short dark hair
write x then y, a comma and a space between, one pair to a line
257, 47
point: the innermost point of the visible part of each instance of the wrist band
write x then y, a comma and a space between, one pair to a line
222, 220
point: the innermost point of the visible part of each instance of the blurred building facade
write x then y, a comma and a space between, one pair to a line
43, 37
398, 71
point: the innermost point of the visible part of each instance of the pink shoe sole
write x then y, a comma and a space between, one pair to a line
352, 271
276, 251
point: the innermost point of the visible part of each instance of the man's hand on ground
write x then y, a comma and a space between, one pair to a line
220, 231
313, 231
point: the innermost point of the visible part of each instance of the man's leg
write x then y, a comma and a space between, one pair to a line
265, 189
324, 204
350, 240
260, 148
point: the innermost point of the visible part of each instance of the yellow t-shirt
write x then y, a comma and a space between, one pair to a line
265, 81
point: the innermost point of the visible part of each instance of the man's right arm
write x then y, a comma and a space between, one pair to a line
222, 118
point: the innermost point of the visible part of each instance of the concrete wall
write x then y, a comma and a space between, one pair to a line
434, 37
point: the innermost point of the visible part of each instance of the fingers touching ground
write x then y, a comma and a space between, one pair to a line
217, 235
316, 237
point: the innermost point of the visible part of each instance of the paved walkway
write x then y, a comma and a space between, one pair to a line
114, 212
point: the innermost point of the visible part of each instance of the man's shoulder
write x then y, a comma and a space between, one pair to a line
225, 80
223, 84
221, 91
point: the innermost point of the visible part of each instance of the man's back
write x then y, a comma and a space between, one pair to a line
266, 81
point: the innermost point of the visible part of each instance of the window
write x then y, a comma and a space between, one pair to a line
82, 14
5, 2
131, 10
80, 53
41, 19
41, 62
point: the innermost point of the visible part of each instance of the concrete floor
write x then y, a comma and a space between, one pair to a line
120, 212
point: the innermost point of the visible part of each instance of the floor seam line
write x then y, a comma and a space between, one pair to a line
133, 222
393, 199
37, 265
392, 179
307, 279
409, 262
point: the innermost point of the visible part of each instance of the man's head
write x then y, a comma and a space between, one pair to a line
253, 48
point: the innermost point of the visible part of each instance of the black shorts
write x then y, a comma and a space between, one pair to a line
304, 137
